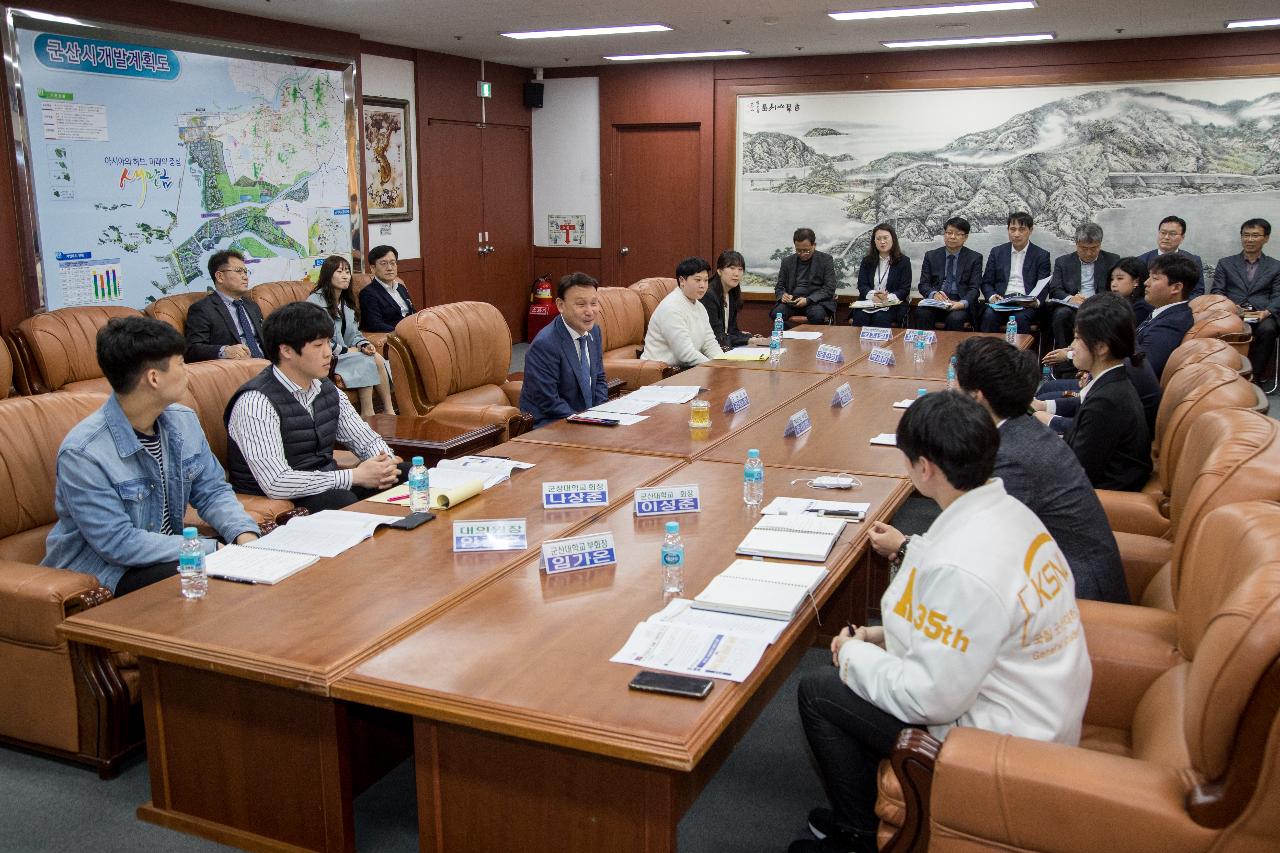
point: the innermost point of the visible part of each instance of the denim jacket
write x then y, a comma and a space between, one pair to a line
108, 500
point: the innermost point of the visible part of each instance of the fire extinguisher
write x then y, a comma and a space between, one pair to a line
542, 306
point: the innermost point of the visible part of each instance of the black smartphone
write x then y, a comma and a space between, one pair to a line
676, 685
593, 421
412, 520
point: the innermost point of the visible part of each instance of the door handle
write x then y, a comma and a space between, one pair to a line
624, 251
484, 250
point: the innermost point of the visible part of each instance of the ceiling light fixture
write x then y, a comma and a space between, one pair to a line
1257, 22
949, 9
701, 54
956, 42
591, 31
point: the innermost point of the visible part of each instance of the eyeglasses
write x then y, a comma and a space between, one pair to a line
244, 271
1170, 233
386, 262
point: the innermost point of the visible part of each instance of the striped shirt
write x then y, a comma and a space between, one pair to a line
151, 444
255, 427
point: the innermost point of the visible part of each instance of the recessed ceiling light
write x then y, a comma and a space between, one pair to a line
1258, 22
701, 54
949, 9
969, 40
590, 31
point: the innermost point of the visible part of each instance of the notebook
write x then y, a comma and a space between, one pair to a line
789, 537
757, 588
251, 565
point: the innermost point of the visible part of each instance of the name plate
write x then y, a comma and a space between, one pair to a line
578, 552
737, 401
843, 397
667, 500
914, 335
882, 355
575, 493
831, 352
798, 424
875, 333
501, 534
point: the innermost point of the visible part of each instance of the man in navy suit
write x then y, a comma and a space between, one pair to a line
1078, 276
1171, 276
385, 300
951, 274
225, 324
564, 367
1013, 269
1252, 281
1173, 230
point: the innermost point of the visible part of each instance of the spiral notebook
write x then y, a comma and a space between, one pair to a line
789, 537
757, 588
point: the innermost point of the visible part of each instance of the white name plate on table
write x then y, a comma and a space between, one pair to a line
882, 355
500, 534
843, 396
575, 493
737, 401
914, 335
578, 552
798, 424
830, 352
667, 500
875, 333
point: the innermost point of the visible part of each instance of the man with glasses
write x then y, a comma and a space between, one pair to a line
225, 324
1252, 281
1173, 230
385, 301
806, 285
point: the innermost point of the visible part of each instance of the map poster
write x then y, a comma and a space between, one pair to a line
388, 169
147, 159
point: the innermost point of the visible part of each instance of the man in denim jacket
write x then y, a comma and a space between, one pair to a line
127, 472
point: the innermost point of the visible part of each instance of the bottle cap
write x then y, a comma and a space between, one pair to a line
190, 533
673, 527
920, 392
753, 454
417, 461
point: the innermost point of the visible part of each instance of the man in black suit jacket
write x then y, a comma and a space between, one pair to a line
1173, 230
1076, 277
225, 324
385, 301
806, 281
1161, 333
1039, 469
950, 273
1252, 281
1013, 268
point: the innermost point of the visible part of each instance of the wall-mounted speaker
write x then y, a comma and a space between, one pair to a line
533, 95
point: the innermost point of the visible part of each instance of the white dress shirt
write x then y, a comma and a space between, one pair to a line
1016, 286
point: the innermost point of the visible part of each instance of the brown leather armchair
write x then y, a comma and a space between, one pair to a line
1201, 350
359, 281
652, 291
6, 370
1181, 747
1224, 324
1210, 303
58, 349
450, 364
173, 309
622, 324
270, 295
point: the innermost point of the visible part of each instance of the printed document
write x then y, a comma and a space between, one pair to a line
666, 393
692, 650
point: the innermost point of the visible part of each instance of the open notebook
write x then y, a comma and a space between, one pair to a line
757, 588
790, 537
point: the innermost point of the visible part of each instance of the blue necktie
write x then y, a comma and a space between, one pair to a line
246, 329
584, 373
949, 279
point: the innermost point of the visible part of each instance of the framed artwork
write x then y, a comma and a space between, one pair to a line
388, 159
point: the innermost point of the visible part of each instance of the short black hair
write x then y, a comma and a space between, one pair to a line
1178, 269
1257, 222
1020, 217
130, 346
219, 260
730, 258
1176, 220
804, 235
955, 433
1006, 376
294, 325
574, 279
692, 266
957, 222
1107, 318
377, 252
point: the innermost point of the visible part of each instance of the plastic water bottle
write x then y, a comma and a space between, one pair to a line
920, 392
951, 374
775, 341
195, 583
1011, 331
753, 479
1046, 374
917, 352
672, 560
419, 487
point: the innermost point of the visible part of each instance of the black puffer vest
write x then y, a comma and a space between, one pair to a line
308, 440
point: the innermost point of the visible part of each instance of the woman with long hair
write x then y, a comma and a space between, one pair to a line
723, 299
356, 360
884, 279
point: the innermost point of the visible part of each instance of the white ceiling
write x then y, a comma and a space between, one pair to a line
801, 27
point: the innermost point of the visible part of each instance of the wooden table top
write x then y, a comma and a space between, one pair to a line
936, 357
802, 356
312, 626
666, 430
841, 437
529, 655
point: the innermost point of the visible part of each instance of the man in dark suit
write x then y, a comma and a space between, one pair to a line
564, 367
1078, 276
1252, 281
806, 281
385, 301
1160, 334
951, 274
1173, 230
1039, 469
225, 324
1013, 269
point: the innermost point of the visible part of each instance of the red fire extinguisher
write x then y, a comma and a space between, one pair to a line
542, 306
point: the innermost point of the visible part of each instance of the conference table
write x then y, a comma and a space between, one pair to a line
802, 355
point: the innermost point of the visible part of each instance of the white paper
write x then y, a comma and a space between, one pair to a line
324, 534
904, 404
627, 405
666, 393
493, 471
622, 418
748, 352
933, 303
254, 565
452, 478
801, 336
680, 612
871, 306
888, 439
691, 650
782, 505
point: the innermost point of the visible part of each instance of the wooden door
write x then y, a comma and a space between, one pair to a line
508, 197
657, 186
454, 207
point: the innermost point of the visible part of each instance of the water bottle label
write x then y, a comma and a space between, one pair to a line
667, 500
190, 562
831, 353
882, 356
578, 552
753, 475
672, 556
798, 424
843, 396
419, 481
737, 401
575, 493
500, 534
913, 335
875, 333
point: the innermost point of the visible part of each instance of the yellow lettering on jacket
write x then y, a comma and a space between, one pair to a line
929, 622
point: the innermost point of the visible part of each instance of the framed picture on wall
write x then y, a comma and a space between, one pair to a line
388, 159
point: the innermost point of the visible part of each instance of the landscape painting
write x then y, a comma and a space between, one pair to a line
1123, 155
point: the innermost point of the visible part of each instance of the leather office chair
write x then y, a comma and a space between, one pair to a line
622, 325
652, 291
6, 370
1201, 350
173, 309
270, 295
450, 364
58, 349
1181, 744
1210, 303
1224, 324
